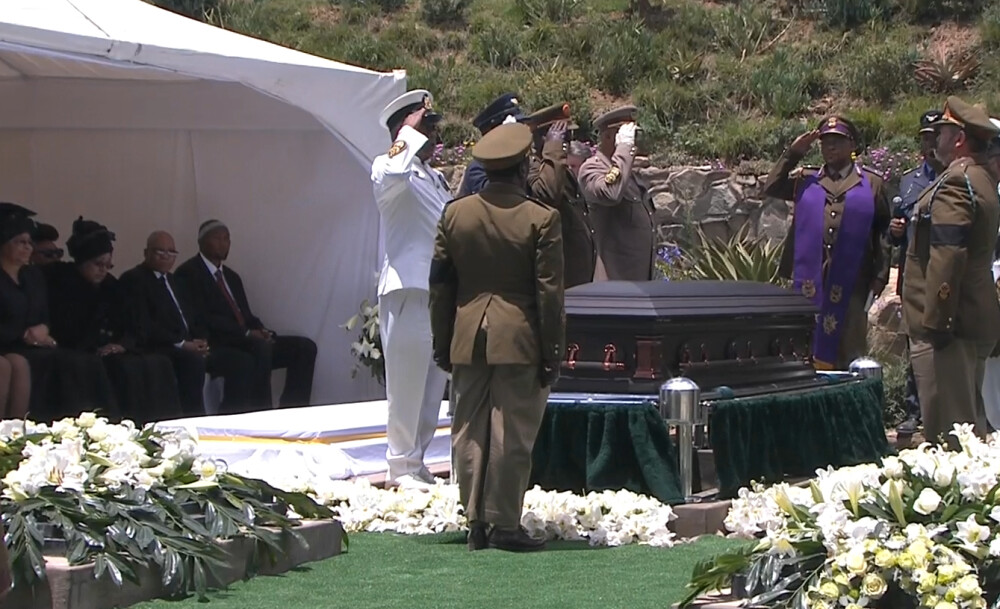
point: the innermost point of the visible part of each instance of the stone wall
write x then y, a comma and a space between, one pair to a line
718, 200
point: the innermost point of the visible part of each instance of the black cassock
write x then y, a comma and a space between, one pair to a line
85, 317
63, 382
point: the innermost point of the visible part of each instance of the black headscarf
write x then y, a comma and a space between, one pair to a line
89, 240
45, 232
15, 220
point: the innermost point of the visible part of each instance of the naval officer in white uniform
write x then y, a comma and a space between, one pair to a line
411, 196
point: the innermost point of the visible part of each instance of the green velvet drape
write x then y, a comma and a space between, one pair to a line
768, 437
594, 447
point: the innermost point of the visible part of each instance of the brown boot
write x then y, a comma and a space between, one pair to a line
515, 540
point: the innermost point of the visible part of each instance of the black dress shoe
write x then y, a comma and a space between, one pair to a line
908, 427
477, 538
515, 540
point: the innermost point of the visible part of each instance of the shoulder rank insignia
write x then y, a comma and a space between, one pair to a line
872, 171
944, 291
614, 174
802, 170
397, 147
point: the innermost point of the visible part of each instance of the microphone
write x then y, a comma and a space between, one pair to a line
898, 211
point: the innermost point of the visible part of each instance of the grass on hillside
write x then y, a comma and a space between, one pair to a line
713, 78
387, 571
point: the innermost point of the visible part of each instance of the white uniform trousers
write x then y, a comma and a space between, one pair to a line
414, 386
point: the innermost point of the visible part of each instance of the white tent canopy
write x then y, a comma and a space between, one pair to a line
144, 120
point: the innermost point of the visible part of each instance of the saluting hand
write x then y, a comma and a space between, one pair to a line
415, 118
625, 135
557, 131
804, 142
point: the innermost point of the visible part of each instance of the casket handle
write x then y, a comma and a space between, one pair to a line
791, 343
686, 356
572, 350
753, 359
609, 358
704, 353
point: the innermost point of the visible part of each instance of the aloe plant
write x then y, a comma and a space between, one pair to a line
741, 258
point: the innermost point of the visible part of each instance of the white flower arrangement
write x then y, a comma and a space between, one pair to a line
124, 499
368, 347
922, 527
608, 518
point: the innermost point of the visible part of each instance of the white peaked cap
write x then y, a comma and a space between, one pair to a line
406, 99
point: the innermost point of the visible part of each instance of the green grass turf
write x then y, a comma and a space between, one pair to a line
387, 571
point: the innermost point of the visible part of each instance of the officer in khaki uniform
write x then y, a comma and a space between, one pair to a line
950, 303
836, 252
551, 181
498, 325
620, 206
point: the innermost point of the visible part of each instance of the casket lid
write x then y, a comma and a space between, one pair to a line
659, 299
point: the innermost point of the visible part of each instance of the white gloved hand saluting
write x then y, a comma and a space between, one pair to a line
625, 135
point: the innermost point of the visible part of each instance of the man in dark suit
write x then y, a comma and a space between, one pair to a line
167, 323
218, 296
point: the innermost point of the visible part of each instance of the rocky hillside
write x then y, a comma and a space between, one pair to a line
728, 80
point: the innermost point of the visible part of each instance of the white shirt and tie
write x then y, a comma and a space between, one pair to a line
166, 281
410, 196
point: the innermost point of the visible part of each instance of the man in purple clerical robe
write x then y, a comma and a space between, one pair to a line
836, 252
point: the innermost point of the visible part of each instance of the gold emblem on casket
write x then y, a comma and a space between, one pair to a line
397, 147
944, 291
829, 323
836, 293
808, 288
614, 174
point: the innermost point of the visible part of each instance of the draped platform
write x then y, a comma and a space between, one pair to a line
338, 441
586, 442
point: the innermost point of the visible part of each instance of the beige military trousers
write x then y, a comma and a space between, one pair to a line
950, 386
498, 411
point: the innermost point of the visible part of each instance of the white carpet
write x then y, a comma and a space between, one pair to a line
338, 441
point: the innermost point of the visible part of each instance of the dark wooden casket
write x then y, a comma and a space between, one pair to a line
627, 337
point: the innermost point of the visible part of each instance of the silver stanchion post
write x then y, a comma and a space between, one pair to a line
680, 406
866, 368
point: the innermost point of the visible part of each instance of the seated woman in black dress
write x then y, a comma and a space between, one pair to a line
88, 315
63, 382
17, 328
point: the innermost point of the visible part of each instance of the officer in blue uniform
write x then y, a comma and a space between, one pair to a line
911, 184
506, 108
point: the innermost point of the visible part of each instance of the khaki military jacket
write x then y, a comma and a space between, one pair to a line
498, 265
622, 214
785, 182
551, 181
948, 283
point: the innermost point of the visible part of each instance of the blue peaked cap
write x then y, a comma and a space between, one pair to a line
499, 109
